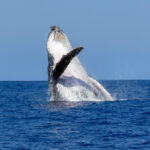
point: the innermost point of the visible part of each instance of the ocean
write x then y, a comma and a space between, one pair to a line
29, 121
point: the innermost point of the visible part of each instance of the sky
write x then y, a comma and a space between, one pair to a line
115, 36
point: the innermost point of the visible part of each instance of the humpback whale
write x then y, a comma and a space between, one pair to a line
67, 78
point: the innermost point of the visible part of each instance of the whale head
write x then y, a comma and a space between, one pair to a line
57, 35
58, 44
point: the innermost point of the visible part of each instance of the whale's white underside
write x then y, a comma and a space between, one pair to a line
74, 84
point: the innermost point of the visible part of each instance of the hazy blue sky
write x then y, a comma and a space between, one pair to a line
115, 35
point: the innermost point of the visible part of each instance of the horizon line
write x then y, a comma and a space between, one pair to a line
47, 80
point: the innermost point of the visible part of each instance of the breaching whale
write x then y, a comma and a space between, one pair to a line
67, 78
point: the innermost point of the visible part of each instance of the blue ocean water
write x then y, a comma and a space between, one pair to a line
28, 121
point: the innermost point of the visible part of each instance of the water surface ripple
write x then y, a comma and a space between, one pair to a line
29, 121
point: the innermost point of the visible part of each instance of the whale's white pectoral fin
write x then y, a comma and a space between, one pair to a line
103, 91
64, 62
